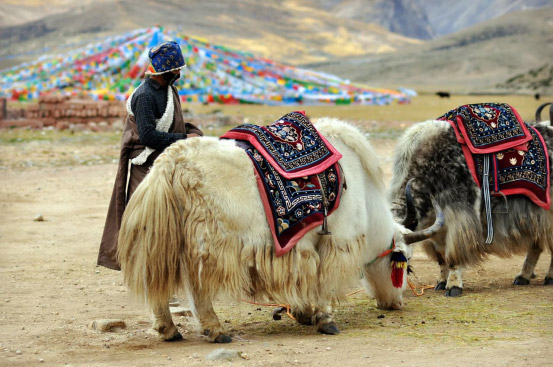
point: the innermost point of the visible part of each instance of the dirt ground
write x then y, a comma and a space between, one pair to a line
51, 289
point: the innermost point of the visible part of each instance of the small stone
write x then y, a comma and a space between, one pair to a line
18, 352
39, 218
328, 348
41, 360
223, 354
107, 325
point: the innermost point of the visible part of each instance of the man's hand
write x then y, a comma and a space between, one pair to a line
192, 135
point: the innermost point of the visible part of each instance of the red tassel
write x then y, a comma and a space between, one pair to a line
399, 265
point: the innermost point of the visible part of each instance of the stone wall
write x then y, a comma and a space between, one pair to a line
63, 112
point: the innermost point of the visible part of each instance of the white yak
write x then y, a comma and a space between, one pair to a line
196, 226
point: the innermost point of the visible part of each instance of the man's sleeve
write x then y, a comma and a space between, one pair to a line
143, 109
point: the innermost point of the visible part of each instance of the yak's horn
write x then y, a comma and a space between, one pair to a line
430, 231
411, 215
540, 108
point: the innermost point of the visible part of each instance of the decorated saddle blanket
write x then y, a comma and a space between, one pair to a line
293, 206
291, 145
516, 152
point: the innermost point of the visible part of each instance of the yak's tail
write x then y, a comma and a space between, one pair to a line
151, 239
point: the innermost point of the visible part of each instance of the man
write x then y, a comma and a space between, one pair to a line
154, 121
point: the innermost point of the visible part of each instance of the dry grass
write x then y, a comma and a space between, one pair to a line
39, 148
494, 323
423, 107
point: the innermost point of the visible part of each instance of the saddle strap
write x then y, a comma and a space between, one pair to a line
486, 195
324, 228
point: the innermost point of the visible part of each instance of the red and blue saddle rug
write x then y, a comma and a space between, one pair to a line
297, 173
517, 154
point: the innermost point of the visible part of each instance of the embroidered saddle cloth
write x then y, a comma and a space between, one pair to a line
293, 206
291, 145
516, 152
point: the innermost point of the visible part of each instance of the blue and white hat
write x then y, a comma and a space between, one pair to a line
165, 57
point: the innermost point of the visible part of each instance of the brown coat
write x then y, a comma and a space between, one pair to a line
126, 184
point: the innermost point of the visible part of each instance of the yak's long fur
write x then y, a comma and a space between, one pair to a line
428, 152
196, 223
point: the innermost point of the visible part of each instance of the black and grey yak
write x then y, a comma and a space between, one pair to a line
430, 157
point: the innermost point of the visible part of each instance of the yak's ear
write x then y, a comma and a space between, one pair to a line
400, 245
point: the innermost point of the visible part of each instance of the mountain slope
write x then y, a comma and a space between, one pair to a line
473, 60
450, 16
425, 19
399, 16
289, 31
17, 12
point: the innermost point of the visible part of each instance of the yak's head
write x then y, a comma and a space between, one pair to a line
410, 221
386, 277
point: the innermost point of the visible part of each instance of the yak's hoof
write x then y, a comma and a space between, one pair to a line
175, 338
330, 329
303, 319
440, 286
519, 280
277, 313
548, 281
454, 292
222, 338
533, 275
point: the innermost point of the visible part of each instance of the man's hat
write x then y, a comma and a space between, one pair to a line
165, 57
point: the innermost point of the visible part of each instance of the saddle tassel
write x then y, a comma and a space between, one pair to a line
399, 266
